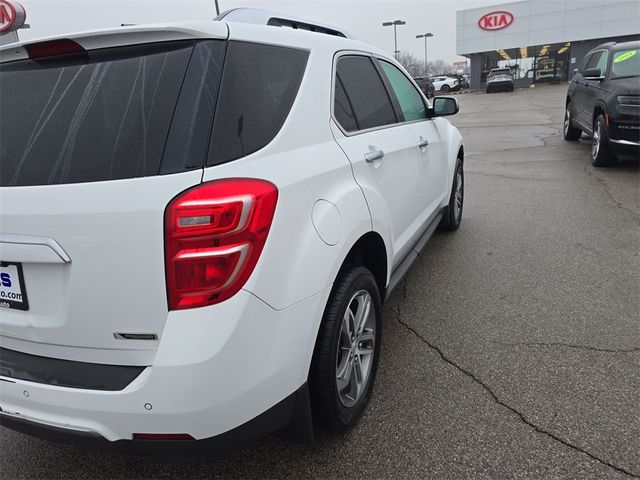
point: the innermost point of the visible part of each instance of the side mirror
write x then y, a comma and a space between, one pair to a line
444, 106
575, 70
593, 74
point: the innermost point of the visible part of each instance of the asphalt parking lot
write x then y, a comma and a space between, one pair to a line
512, 349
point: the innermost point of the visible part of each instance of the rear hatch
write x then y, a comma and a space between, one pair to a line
93, 146
500, 76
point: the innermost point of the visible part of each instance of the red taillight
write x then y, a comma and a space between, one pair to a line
53, 48
162, 436
214, 234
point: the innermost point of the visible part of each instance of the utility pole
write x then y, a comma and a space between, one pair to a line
395, 23
426, 65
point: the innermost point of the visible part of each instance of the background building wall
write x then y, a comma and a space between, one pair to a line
540, 22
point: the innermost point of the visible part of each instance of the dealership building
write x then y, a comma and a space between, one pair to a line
541, 40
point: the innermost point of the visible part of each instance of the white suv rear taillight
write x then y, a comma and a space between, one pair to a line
214, 234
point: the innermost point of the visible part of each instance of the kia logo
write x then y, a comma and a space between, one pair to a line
496, 20
12, 16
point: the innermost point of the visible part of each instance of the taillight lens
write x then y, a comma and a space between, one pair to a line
214, 234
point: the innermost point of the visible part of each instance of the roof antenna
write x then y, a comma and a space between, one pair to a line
217, 7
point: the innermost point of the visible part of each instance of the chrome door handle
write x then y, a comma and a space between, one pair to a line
423, 143
373, 155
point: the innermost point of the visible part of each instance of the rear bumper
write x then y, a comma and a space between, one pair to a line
285, 416
216, 369
500, 86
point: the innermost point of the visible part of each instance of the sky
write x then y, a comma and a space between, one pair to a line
363, 18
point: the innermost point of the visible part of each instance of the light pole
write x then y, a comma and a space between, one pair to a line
426, 66
395, 23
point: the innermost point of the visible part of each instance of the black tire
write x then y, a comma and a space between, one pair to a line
445, 88
511, 88
489, 90
601, 154
327, 407
569, 132
453, 216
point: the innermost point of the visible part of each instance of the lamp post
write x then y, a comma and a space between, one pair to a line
426, 66
395, 23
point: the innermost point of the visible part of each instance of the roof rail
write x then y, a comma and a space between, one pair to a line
274, 19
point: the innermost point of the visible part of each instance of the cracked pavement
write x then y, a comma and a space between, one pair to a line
512, 349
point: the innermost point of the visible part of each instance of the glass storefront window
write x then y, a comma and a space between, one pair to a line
539, 64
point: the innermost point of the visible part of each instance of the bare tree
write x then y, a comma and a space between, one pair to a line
415, 67
411, 64
440, 67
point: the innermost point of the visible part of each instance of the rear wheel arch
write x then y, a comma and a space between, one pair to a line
369, 251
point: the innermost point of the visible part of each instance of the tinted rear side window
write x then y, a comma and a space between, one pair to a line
365, 92
259, 85
105, 117
342, 109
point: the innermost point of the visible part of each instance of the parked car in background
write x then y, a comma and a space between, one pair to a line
603, 101
461, 80
499, 79
426, 86
445, 84
171, 272
545, 70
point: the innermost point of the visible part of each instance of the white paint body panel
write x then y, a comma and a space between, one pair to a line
115, 281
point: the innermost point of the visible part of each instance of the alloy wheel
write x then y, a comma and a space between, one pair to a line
458, 195
356, 347
595, 145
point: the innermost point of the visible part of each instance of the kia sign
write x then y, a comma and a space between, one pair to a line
496, 20
12, 16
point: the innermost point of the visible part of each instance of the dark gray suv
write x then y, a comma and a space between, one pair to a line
603, 101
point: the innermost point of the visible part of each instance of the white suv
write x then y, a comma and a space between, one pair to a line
445, 84
200, 222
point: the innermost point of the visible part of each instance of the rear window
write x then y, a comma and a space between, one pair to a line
101, 117
258, 87
500, 73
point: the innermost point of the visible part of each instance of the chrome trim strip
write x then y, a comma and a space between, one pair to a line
625, 142
35, 240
